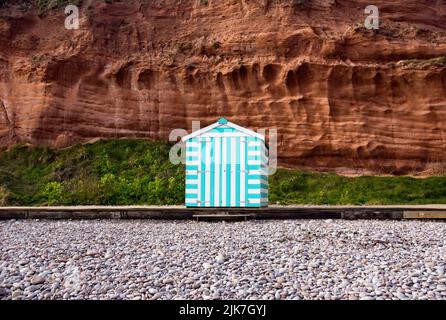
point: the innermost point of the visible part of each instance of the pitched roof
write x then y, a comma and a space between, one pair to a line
222, 122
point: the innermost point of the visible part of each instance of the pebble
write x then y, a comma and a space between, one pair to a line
280, 280
295, 260
91, 252
37, 280
168, 281
17, 294
3, 293
156, 296
220, 259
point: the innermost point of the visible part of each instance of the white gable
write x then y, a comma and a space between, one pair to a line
223, 123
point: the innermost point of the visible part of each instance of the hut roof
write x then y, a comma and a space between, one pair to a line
222, 122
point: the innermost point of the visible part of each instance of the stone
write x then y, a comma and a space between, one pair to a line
3, 293
17, 294
153, 290
331, 267
37, 280
207, 265
91, 252
220, 259
156, 296
168, 281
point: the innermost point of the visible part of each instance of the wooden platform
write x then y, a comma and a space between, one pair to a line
424, 214
272, 212
223, 216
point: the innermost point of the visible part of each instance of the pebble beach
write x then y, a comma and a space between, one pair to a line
286, 259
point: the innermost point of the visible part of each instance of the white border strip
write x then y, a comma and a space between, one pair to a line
224, 162
254, 162
217, 153
257, 191
233, 168
200, 183
242, 170
207, 175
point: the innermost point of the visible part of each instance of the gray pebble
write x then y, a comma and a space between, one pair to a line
309, 259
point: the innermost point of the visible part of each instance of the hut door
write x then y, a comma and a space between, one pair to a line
222, 172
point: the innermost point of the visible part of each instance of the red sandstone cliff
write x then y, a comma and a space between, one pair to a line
342, 98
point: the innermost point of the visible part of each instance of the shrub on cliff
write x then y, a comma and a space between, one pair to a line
41, 5
421, 63
107, 172
52, 193
300, 3
292, 187
4, 196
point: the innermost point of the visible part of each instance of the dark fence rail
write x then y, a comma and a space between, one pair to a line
273, 212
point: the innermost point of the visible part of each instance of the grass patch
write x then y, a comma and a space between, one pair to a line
41, 5
421, 63
126, 172
297, 187
107, 173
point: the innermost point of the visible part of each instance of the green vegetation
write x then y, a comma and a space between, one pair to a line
111, 172
37, 59
4, 195
41, 5
216, 45
296, 187
124, 172
422, 63
44, 5
184, 47
300, 3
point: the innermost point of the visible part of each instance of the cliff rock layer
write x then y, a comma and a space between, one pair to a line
343, 98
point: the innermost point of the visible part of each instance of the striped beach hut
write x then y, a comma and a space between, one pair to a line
226, 166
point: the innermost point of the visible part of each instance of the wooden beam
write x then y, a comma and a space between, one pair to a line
424, 214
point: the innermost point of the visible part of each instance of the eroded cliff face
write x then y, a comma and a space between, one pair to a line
342, 98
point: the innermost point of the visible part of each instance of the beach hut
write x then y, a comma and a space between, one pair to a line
226, 166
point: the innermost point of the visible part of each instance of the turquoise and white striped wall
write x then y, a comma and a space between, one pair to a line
226, 166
